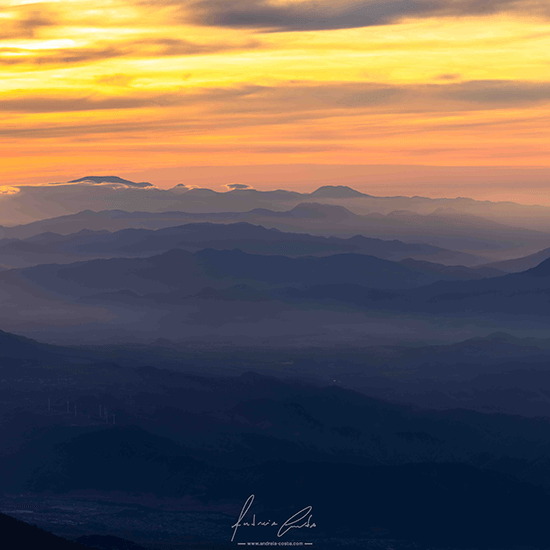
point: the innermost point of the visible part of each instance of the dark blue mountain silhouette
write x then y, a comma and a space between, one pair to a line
54, 247
337, 192
222, 268
18, 534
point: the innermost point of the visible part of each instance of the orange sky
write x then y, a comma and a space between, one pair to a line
123, 87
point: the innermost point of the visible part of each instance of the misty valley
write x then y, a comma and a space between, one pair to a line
205, 370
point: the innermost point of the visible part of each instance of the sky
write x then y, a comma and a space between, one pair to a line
166, 86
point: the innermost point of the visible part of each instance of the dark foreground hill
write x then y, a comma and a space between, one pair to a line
445, 504
16, 535
370, 469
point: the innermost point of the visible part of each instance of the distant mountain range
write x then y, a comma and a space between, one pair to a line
182, 270
97, 193
255, 292
522, 264
384, 360
119, 276
498, 373
525, 293
466, 233
53, 247
351, 278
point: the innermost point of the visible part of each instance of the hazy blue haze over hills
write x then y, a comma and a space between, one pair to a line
200, 294
181, 269
119, 194
484, 238
53, 247
523, 263
91, 191
499, 373
365, 355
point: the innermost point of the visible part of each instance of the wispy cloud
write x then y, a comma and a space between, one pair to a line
45, 104
239, 80
134, 49
237, 186
503, 92
304, 97
24, 21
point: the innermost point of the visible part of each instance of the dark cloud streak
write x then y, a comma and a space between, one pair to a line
313, 15
229, 100
263, 106
505, 92
294, 97
261, 14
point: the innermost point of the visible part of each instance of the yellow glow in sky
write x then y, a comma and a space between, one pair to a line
119, 86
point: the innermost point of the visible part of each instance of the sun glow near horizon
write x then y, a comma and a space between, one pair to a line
128, 84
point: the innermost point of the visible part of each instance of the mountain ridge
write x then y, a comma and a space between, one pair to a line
244, 235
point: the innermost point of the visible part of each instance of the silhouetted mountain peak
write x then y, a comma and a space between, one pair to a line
86, 214
8, 337
201, 192
180, 188
111, 179
18, 534
15, 346
337, 192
